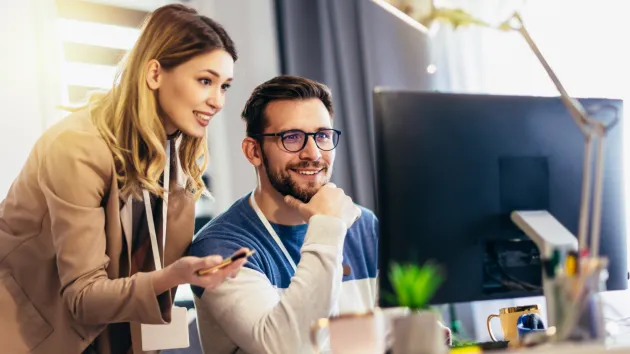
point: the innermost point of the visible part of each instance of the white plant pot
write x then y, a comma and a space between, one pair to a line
419, 333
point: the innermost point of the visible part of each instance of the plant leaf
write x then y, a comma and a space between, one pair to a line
414, 286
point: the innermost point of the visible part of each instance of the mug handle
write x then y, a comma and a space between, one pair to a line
489, 328
315, 329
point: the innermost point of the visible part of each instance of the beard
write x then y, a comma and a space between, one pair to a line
285, 185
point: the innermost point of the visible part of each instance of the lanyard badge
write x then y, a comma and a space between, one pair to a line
172, 335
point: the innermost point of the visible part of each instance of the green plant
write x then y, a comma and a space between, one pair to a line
414, 285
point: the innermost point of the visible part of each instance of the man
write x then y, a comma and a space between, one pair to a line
316, 251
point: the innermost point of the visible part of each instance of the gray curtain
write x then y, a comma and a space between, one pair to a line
352, 46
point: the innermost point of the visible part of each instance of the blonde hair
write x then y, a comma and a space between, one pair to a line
127, 116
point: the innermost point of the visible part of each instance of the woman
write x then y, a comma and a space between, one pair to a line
80, 224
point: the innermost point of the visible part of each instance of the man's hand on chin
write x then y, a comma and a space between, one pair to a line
329, 200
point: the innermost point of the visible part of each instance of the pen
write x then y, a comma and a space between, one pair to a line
571, 264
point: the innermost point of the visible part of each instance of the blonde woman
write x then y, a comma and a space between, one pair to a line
89, 219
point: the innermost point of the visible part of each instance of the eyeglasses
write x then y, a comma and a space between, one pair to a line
295, 140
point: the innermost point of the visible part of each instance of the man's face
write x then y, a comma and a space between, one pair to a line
299, 174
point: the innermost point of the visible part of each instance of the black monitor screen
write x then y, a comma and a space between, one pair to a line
452, 167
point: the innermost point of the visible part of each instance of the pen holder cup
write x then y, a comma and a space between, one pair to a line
574, 305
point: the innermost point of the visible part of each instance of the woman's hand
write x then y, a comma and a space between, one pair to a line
184, 271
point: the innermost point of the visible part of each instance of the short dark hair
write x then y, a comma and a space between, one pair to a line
283, 87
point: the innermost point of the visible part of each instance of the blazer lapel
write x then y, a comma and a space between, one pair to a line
126, 220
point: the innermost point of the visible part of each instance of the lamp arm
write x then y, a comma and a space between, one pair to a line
590, 129
577, 111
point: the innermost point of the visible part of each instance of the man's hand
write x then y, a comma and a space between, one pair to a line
329, 200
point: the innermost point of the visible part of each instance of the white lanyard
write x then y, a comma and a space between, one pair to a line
271, 231
149, 210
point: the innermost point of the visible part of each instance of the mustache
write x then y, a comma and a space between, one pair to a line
309, 164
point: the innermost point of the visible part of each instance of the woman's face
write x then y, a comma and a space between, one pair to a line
190, 94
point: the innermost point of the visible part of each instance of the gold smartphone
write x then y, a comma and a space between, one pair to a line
226, 262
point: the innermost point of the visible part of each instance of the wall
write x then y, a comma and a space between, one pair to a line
27, 80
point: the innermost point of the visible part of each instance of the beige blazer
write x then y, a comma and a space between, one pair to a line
65, 236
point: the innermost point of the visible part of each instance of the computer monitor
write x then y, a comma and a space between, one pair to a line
452, 167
